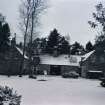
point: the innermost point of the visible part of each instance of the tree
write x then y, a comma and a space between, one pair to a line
43, 45
89, 47
64, 47
30, 13
20, 45
77, 49
99, 25
24, 24
4, 36
53, 41
57, 43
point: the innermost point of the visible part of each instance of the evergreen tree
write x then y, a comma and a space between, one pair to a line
77, 49
13, 41
64, 46
1, 35
57, 43
20, 45
4, 36
43, 45
89, 47
53, 41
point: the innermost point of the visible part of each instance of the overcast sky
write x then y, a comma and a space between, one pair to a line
68, 16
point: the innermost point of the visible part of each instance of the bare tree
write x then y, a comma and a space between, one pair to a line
30, 13
24, 15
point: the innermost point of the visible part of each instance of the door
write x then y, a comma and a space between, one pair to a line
55, 70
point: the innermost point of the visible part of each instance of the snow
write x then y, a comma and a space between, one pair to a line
21, 52
56, 90
95, 71
87, 55
73, 60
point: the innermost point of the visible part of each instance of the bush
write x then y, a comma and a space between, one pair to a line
8, 97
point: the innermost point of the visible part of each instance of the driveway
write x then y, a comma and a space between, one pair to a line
56, 90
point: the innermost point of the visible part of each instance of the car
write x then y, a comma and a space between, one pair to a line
102, 82
71, 74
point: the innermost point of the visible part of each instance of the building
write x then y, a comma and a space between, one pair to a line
93, 65
60, 64
10, 62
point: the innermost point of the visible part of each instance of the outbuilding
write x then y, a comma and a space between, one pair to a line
93, 65
10, 62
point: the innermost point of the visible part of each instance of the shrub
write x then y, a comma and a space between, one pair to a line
8, 96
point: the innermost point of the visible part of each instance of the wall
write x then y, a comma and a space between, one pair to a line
63, 68
10, 62
43, 67
69, 68
93, 63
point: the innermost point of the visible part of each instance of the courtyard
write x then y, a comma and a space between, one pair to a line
56, 90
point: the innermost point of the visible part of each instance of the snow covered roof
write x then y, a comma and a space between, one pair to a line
21, 52
87, 55
95, 71
73, 60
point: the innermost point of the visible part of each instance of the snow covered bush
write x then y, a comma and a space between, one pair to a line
8, 96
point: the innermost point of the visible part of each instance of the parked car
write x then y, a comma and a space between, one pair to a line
72, 74
102, 82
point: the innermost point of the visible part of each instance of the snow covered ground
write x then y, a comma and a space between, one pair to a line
56, 91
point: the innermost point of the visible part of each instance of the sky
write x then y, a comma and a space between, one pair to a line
69, 17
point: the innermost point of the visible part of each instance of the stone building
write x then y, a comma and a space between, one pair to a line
93, 65
10, 62
60, 64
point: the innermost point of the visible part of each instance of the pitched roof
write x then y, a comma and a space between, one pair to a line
21, 52
87, 55
73, 60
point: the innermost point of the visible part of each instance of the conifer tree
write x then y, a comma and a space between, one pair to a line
4, 36
89, 47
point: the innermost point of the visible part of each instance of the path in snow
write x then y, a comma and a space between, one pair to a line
56, 91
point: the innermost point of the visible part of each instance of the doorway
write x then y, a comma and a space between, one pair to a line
55, 70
